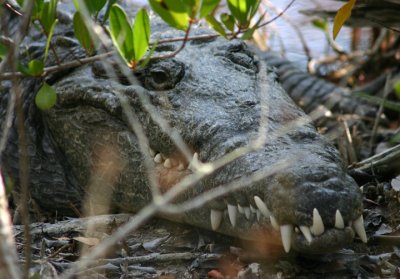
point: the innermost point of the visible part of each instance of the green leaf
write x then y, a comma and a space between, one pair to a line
252, 8
216, 25
37, 9
82, 33
172, 12
36, 275
35, 67
395, 106
94, 6
3, 51
141, 34
46, 98
396, 87
249, 33
238, 9
228, 21
23, 69
145, 61
395, 139
208, 6
8, 183
76, 5
320, 24
110, 3
121, 33
48, 15
341, 16
192, 7
49, 36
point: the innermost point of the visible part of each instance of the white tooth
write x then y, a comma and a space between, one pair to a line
232, 212
240, 209
318, 227
358, 226
168, 164
306, 232
252, 209
151, 152
194, 161
296, 230
181, 167
274, 223
339, 223
262, 206
158, 158
247, 212
216, 218
258, 214
286, 235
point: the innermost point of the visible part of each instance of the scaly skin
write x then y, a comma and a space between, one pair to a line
209, 94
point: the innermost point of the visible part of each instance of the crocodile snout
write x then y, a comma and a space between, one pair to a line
312, 213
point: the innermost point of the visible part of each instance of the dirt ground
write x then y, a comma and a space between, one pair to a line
162, 249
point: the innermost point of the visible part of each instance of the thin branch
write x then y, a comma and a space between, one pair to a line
8, 256
278, 15
173, 54
22, 137
61, 67
293, 25
379, 113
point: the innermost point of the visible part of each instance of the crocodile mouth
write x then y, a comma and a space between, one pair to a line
317, 238
310, 234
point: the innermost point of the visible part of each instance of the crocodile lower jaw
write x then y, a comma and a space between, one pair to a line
309, 239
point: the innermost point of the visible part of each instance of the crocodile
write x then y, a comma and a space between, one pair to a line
312, 93
216, 98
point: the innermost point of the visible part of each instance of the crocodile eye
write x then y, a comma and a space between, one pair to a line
162, 75
159, 77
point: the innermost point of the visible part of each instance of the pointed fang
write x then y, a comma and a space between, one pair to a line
247, 212
262, 206
152, 153
286, 235
318, 227
168, 164
274, 222
240, 209
232, 212
339, 223
195, 161
358, 226
158, 158
181, 167
216, 218
306, 232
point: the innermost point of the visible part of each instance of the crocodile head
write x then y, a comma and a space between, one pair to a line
217, 97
